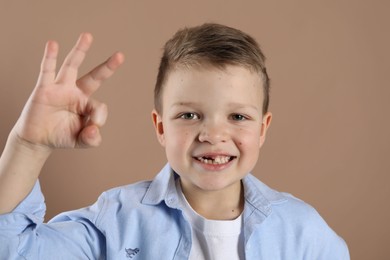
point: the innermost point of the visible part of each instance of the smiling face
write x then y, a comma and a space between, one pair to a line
212, 125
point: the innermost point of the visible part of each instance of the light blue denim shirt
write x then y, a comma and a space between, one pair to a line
144, 221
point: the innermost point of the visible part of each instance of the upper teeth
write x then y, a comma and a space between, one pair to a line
216, 160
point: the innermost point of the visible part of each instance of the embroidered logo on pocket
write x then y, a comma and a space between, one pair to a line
131, 253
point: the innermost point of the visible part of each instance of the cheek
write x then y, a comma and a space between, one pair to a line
179, 137
248, 139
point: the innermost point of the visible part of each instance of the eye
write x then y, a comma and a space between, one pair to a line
189, 116
238, 117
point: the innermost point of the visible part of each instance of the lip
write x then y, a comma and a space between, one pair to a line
213, 154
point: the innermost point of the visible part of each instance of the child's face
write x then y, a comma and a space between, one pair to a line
212, 126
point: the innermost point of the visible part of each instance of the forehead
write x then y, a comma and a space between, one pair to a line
212, 84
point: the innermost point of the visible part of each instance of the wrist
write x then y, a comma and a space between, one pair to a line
26, 148
20, 165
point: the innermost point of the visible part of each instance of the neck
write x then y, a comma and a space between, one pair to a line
224, 204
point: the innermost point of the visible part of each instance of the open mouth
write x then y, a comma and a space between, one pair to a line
215, 159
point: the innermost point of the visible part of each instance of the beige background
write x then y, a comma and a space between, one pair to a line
329, 64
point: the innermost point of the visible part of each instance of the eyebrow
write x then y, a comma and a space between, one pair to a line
183, 104
240, 105
231, 104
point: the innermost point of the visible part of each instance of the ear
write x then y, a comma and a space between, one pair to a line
158, 127
266, 122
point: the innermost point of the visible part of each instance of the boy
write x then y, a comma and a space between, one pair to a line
211, 116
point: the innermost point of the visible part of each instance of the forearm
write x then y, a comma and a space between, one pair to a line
20, 166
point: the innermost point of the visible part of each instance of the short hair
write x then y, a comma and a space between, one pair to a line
214, 44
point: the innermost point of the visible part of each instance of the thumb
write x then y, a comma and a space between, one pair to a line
90, 136
97, 113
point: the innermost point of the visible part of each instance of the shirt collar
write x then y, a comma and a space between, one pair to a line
257, 194
162, 188
260, 196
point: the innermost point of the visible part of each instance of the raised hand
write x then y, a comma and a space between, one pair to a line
60, 112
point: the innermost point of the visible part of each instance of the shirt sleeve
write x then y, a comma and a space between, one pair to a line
328, 245
323, 243
71, 235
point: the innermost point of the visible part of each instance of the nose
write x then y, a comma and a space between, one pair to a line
213, 132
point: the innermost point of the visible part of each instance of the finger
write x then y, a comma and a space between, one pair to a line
69, 69
89, 137
48, 64
97, 112
90, 82
97, 116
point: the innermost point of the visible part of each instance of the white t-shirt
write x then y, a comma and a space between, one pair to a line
213, 239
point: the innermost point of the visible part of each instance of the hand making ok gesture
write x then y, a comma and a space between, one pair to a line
60, 112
